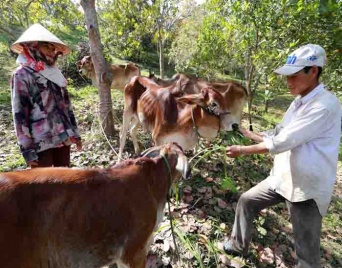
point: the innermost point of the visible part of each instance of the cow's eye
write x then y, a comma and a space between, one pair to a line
213, 104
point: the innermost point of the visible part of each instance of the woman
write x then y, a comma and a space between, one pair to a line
44, 121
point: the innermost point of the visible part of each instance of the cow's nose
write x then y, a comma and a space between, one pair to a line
235, 127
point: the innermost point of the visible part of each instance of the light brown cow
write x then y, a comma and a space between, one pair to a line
234, 93
62, 217
180, 120
121, 73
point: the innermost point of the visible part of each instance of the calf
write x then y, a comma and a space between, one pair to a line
171, 119
62, 218
121, 73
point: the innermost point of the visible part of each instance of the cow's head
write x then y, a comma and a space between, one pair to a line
174, 158
85, 66
213, 103
235, 97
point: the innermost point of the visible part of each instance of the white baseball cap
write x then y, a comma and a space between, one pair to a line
37, 32
308, 55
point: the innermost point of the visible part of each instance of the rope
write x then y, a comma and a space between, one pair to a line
103, 132
194, 123
211, 112
168, 198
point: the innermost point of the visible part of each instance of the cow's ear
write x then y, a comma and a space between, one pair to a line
205, 92
183, 166
176, 158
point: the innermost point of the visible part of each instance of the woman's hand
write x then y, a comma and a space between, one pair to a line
33, 164
79, 145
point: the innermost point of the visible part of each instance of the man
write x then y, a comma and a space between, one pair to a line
305, 148
44, 121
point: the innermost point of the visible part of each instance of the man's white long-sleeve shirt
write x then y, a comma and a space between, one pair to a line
305, 145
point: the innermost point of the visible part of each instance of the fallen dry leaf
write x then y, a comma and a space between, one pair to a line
166, 246
223, 226
219, 245
287, 229
293, 253
221, 204
218, 191
187, 190
209, 179
266, 256
237, 262
201, 214
217, 209
263, 212
209, 193
202, 190
153, 261
224, 259
187, 198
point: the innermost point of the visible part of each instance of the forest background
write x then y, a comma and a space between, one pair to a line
215, 40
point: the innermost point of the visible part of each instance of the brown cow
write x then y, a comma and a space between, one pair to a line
157, 110
62, 217
121, 73
234, 93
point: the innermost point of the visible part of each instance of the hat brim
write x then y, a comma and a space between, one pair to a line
288, 70
18, 48
37, 32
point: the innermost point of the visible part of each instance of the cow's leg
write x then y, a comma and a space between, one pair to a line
127, 117
138, 260
121, 265
134, 131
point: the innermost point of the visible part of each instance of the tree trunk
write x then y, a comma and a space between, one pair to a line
266, 106
250, 94
103, 74
266, 97
161, 56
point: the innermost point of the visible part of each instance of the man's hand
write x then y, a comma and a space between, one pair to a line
233, 151
246, 133
251, 135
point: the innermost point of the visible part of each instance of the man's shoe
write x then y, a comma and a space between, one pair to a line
230, 250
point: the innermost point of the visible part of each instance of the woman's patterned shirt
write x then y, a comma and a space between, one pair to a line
42, 113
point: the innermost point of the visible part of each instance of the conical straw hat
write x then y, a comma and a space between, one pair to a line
38, 33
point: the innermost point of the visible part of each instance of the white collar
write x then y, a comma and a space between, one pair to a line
311, 94
51, 73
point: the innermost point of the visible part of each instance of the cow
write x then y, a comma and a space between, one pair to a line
234, 93
172, 119
66, 217
121, 73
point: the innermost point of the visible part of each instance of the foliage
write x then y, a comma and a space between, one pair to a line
238, 38
253, 37
132, 29
121, 24
61, 14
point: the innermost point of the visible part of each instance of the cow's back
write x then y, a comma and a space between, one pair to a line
60, 217
122, 74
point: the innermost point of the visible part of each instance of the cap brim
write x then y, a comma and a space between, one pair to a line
288, 70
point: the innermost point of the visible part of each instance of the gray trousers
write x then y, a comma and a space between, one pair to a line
305, 217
